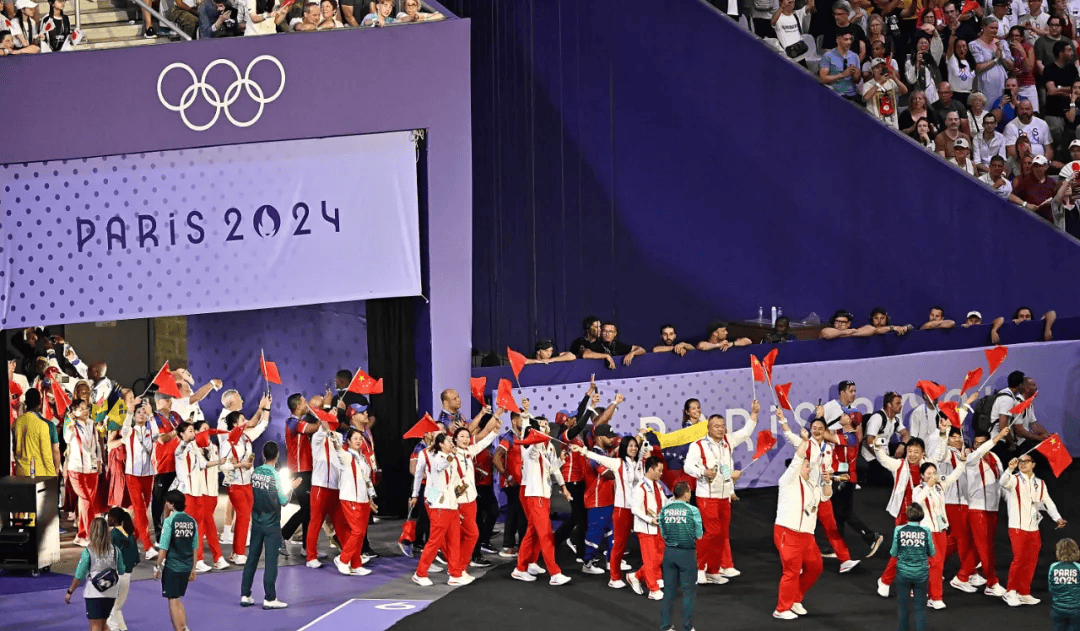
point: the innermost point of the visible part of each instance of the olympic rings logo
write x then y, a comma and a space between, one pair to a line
214, 98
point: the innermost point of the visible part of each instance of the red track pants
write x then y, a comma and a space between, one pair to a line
85, 486
622, 522
242, 500
324, 503
801, 561
140, 489
983, 528
356, 514
470, 534
1025, 547
539, 539
203, 507
960, 539
889, 575
832, 533
714, 548
444, 534
652, 556
937, 565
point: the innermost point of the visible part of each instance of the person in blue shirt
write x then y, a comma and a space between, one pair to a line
841, 69
1064, 582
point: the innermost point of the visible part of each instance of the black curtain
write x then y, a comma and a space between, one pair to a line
5, 433
391, 357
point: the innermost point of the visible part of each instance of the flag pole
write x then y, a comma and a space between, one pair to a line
156, 375
1033, 448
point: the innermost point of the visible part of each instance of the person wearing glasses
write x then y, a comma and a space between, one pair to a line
1025, 495
412, 13
840, 326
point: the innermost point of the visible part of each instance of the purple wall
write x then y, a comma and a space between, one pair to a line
397, 79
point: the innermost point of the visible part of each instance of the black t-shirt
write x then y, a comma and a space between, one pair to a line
579, 346
614, 349
1062, 78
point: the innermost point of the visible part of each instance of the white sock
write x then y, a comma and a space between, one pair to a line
228, 529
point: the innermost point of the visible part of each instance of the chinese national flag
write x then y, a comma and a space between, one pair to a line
757, 369
971, 380
202, 439
63, 401
1056, 453
996, 355
476, 386
323, 415
534, 438
1020, 408
931, 389
768, 362
165, 383
363, 383
517, 361
765, 442
969, 6
782, 392
424, 426
269, 370
504, 398
949, 409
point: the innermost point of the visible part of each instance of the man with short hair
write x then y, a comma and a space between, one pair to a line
1065, 208
544, 353
175, 563
995, 179
988, 144
946, 103
781, 332
880, 324
840, 68
945, 142
718, 338
166, 442
1044, 45
310, 19
1035, 191
610, 346
648, 501
884, 424
298, 433
669, 342
1035, 128
1035, 21
974, 318
881, 90
35, 441
842, 12
680, 528
1058, 77
217, 19
937, 319
451, 417
582, 346
269, 493
840, 326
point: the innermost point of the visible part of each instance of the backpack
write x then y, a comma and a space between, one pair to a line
981, 420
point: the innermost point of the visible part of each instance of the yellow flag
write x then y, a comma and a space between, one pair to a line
683, 436
117, 414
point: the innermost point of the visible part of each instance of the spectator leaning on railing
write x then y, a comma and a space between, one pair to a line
382, 15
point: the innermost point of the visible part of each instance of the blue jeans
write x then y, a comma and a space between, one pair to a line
911, 604
1065, 622
680, 568
598, 537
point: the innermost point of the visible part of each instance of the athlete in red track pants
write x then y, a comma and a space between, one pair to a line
325, 443
464, 473
442, 510
714, 549
83, 462
356, 494
1025, 494
984, 500
540, 466
648, 501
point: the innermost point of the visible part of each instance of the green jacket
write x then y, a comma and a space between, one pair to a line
266, 487
680, 525
1064, 583
913, 545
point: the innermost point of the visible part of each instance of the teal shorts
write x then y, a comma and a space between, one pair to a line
173, 583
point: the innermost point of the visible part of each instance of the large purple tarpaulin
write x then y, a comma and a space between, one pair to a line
338, 83
168, 223
1055, 366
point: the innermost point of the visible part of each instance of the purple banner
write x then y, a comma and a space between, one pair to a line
1055, 366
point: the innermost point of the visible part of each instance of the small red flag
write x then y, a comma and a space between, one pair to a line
973, 378
236, 433
949, 409
49, 26
996, 355
408, 531
1020, 408
534, 438
363, 383
517, 361
765, 442
969, 6
770, 359
269, 370
477, 385
504, 398
931, 389
757, 369
63, 401
782, 392
1056, 453
202, 439
424, 426
323, 415
165, 383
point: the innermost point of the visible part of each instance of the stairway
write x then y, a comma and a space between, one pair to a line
108, 24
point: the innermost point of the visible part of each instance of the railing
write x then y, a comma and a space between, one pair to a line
161, 18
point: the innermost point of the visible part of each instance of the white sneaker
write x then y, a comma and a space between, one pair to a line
978, 580
730, 572
314, 564
935, 604
422, 581
435, 567
660, 583
522, 576
1029, 600
616, 584
364, 558
592, 568
82, 543
238, 559
799, 609
201, 567
507, 554
559, 579
570, 544
459, 581
996, 590
625, 567
882, 589
716, 579
964, 586
848, 565
359, 571
656, 595
1012, 599
226, 537
150, 554
635, 584
536, 570
341, 566
701, 580
785, 615
246, 601
274, 604
221, 564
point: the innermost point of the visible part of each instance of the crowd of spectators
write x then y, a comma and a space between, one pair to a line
992, 88
24, 31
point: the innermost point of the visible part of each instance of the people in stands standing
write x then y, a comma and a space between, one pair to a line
946, 103
610, 346
57, 37
544, 353
842, 13
1023, 56
840, 68
960, 72
881, 91
921, 70
937, 319
977, 110
669, 340
790, 24
1044, 44
1058, 77
718, 338
991, 64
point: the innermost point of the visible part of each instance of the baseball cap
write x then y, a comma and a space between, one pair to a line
356, 408
1075, 143
1040, 160
961, 142
603, 431
563, 415
25, 4
974, 314
875, 61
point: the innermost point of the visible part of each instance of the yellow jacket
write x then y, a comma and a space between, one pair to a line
33, 444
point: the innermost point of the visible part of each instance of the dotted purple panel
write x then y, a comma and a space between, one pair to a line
208, 230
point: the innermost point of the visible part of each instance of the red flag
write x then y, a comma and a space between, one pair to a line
517, 361
165, 383
996, 355
757, 369
236, 433
765, 442
770, 359
1056, 453
477, 385
504, 398
949, 409
424, 426
63, 401
49, 26
323, 415
1020, 408
969, 6
269, 370
408, 531
931, 389
534, 438
782, 392
202, 439
363, 383
973, 378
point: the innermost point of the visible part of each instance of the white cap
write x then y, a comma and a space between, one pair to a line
1040, 160
1075, 143
25, 4
876, 61
961, 142
974, 314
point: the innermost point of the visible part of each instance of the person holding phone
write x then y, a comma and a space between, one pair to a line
840, 68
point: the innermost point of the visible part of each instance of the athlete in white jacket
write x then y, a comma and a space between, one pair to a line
1025, 495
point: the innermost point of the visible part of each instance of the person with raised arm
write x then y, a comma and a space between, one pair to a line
239, 466
1025, 495
904, 471
324, 502
137, 437
356, 494
442, 509
540, 466
984, 500
793, 533
463, 475
647, 502
710, 461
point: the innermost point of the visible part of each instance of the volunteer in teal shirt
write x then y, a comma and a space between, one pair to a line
912, 545
268, 496
179, 533
1064, 583
680, 526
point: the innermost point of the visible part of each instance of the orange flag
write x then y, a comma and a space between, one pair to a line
971, 380
782, 392
1056, 453
517, 362
757, 369
476, 386
504, 398
931, 389
996, 355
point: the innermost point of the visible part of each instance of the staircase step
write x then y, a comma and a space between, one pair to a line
121, 42
106, 15
112, 30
